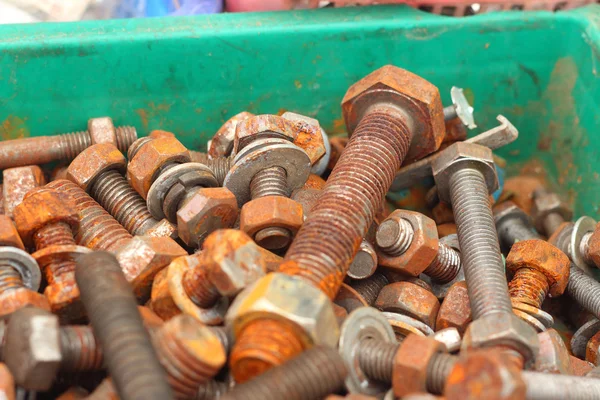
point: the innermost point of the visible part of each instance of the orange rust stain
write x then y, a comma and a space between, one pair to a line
143, 116
13, 127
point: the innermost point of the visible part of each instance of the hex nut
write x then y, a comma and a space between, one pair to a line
20, 298
9, 236
543, 257
460, 154
32, 349
423, 248
309, 137
232, 261
291, 300
503, 329
92, 162
143, 256
409, 374
150, 158
548, 203
553, 356
102, 130
17, 182
455, 310
418, 100
409, 299
271, 211
207, 210
221, 144
42, 207
262, 126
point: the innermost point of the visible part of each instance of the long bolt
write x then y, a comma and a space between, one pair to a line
112, 310
585, 290
45, 149
312, 375
98, 230
542, 386
220, 166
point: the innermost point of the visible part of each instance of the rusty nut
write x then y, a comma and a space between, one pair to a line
423, 249
9, 236
17, 182
455, 310
150, 158
288, 299
42, 207
14, 300
207, 210
92, 162
409, 299
397, 88
553, 356
102, 130
543, 257
409, 374
143, 256
309, 137
262, 126
32, 349
221, 144
271, 211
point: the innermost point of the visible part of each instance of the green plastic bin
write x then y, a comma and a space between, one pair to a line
189, 74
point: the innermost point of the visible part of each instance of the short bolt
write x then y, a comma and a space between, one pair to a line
65, 147
364, 263
369, 288
220, 166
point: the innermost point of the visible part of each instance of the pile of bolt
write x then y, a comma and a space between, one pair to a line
270, 266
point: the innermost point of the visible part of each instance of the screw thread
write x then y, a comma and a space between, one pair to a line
438, 369
185, 371
312, 375
395, 237
199, 288
211, 390
480, 252
446, 265
80, 349
260, 345
542, 386
221, 333
269, 182
369, 288
126, 135
112, 310
73, 143
220, 166
98, 230
376, 359
585, 290
331, 235
515, 230
10, 278
528, 286
116, 196
57, 234
136, 146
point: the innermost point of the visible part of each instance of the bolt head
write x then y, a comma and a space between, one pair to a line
409, 299
9, 236
102, 130
92, 162
455, 310
309, 136
33, 348
163, 228
222, 142
457, 156
261, 127
417, 99
553, 356
17, 182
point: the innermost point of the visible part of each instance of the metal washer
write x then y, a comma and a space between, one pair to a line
25, 264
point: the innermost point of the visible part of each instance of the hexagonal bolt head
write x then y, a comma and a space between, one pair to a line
409, 299
459, 155
42, 207
505, 330
207, 210
288, 299
309, 137
32, 350
261, 127
418, 100
553, 356
455, 310
9, 236
17, 182
541, 256
92, 162
102, 130
221, 144
484, 374
150, 158
545, 203
142, 257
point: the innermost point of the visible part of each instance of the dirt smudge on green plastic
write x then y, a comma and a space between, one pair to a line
13, 127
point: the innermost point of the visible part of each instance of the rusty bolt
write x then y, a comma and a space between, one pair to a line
221, 144
455, 310
44, 149
410, 300
553, 356
349, 299
46, 219
365, 261
17, 182
9, 236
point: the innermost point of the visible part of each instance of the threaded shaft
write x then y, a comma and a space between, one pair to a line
220, 166
376, 359
395, 237
269, 182
528, 286
112, 310
116, 196
446, 265
261, 345
369, 288
126, 135
55, 235
137, 145
211, 390
480, 252
513, 230
71, 144
331, 235
80, 349
10, 278
199, 288
186, 372
312, 375
438, 369
585, 290
584, 248
98, 230
542, 386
